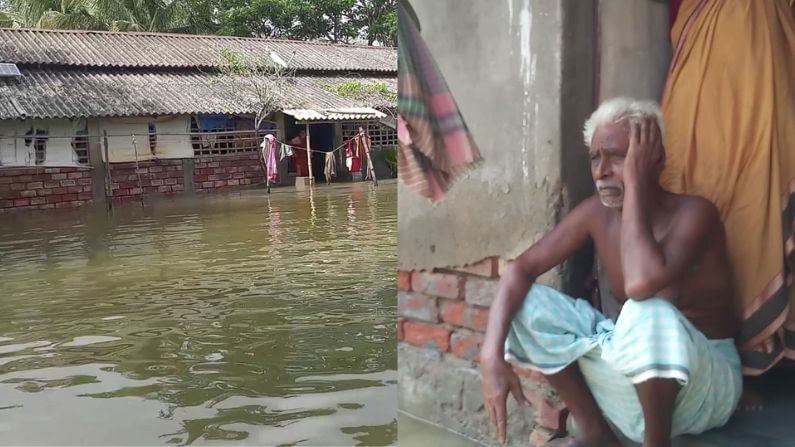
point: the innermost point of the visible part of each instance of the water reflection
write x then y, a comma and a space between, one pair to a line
232, 319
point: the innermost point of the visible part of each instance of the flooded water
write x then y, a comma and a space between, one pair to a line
227, 319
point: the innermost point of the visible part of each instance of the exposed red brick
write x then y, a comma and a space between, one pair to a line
487, 268
84, 181
444, 285
21, 202
466, 344
35, 185
480, 292
425, 335
6, 203
25, 178
418, 306
550, 412
85, 196
404, 281
399, 322
464, 315
219, 183
75, 175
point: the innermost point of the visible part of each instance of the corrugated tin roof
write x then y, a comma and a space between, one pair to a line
111, 49
71, 93
337, 114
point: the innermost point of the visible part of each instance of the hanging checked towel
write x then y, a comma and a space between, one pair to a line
285, 151
434, 145
330, 169
269, 155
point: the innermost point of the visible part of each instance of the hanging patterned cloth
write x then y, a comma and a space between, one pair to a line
434, 145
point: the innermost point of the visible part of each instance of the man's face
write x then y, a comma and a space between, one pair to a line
607, 152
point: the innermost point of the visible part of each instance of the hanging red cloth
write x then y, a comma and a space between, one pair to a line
300, 159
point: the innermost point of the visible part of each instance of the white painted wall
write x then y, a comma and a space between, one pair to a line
59, 152
173, 140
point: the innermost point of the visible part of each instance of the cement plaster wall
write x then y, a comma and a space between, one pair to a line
506, 63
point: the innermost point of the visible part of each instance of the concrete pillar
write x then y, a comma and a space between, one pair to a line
187, 173
95, 160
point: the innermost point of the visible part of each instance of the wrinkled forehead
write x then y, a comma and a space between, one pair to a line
611, 136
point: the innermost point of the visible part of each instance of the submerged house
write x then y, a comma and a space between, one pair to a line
88, 116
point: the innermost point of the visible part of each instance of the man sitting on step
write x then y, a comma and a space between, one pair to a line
668, 365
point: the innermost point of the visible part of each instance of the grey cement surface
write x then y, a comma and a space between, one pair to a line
446, 392
414, 432
773, 427
634, 49
503, 62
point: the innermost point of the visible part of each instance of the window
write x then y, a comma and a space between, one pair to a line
152, 138
379, 134
80, 146
228, 136
40, 146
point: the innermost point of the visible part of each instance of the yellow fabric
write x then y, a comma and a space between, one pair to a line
729, 107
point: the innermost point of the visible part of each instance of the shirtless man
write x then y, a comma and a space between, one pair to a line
668, 365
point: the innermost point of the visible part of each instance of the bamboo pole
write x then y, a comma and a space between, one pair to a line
370, 168
108, 184
138, 170
309, 157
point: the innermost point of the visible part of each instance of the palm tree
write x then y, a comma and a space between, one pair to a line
113, 15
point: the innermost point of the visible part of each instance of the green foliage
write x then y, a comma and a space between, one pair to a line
113, 15
388, 155
371, 21
358, 90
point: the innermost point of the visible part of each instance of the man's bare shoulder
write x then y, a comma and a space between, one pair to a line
696, 209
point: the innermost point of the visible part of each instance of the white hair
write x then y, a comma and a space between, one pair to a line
618, 109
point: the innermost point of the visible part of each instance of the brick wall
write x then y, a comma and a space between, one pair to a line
150, 177
447, 310
227, 171
44, 188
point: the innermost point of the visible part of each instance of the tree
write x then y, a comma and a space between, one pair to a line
378, 21
114, 15
263, 80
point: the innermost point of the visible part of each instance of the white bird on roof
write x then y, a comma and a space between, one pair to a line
278, 59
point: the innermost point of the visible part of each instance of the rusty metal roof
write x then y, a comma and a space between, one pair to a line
114, 49
76, 92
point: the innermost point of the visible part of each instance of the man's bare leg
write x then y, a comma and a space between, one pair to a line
592, 429
657, 398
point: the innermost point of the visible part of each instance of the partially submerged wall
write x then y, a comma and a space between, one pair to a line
522, 73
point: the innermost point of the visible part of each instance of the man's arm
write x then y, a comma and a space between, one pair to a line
498, 377
571, 234
647, 265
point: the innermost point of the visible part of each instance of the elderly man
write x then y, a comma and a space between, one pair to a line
668, 365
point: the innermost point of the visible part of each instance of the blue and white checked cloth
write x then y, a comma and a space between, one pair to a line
650, 339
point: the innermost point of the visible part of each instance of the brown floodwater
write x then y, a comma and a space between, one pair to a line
236, 318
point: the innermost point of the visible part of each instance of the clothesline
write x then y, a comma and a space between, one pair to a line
311, 150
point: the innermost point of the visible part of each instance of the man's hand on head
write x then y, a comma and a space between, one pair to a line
645, 153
